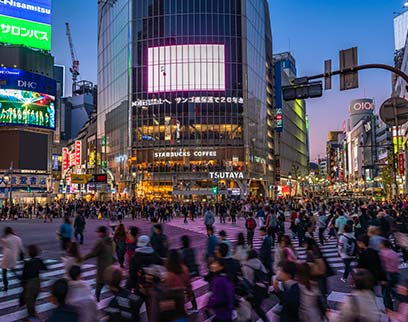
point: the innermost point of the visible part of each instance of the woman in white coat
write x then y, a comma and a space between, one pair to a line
12, 248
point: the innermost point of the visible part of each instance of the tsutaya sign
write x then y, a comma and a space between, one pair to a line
226, 175
184, 154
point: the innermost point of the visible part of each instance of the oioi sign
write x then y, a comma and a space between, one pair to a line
23, 32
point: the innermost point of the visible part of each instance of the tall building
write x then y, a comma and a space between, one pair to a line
185, 92
291, 125
27, 95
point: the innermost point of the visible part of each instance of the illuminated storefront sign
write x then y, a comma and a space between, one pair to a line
193, 99
26, 180
23, 32
279, 120
78, 150
27, 108
11, 78
184, 154
33, 10
198, 67
226, 175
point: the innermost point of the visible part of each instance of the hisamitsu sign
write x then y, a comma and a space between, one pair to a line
33, 10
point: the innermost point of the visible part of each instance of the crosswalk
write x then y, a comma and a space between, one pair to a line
11, 312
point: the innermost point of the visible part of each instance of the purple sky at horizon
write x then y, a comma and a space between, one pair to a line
312, 30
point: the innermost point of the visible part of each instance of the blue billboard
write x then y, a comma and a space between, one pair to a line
11, 78
32, 10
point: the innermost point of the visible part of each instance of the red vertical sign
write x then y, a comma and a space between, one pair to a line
65, 159
78, 152
401, 163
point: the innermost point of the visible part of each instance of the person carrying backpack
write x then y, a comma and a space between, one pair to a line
347, 250
250, 225
272, 225
256, 275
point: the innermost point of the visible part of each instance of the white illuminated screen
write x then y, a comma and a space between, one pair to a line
186, 68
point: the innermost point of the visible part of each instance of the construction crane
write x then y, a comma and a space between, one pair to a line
75, 62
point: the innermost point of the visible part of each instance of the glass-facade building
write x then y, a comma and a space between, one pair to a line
186, 96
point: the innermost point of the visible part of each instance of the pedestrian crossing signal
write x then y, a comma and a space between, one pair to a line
28, 189
215, 190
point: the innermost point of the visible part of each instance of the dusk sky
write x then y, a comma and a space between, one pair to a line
312, 30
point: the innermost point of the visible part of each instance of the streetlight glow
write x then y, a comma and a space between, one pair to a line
406, 4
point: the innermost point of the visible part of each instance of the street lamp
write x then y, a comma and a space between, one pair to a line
7, 181
406, 4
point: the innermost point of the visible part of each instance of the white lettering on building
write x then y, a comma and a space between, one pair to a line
22, 5
226, 175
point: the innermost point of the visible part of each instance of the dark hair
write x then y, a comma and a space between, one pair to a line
73, 251
133, 231
74, 272
113, 276
348, 228
59, 290
120, 231
159, 227
304, 274
33, 250
210, 229
174, 263
386, 243
252, 254
222, 233
363, 279
223, 249
289, 268
263, 228
241, 239
8, 231
365, 239
67, 221
185, 241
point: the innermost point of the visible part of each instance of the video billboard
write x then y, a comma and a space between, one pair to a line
27, 108
186, 68
11, 78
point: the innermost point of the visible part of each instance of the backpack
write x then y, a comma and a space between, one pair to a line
273, 223
250, 224
261, 283
351, 246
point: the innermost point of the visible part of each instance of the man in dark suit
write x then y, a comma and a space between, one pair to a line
265, 252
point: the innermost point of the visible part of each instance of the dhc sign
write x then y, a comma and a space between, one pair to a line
226, 175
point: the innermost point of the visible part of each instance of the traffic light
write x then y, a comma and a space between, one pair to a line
215, 190
28, 189
302, 91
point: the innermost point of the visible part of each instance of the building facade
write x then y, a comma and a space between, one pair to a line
291, 125
185, 93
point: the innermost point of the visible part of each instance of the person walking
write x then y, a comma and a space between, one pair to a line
322, 224
80, 296
347, 248
265, 252
188, 256
131, 243
72, 257
241, 249
209, 218
251, 271
159, 241
260, 214
361, 305
119, 238
12, 249
79, 227
212, 243
223, 239
104, 253
63, 312
390, 262
250, 225
30, 280
65, 232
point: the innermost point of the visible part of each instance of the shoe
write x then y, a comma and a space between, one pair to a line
343, 280
5, 289
192, 311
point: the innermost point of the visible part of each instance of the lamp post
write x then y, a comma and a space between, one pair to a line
7, 180
290, 184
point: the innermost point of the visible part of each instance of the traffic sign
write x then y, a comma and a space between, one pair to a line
394, 110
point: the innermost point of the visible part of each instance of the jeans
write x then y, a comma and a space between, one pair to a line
388, 289
250, 238
81, 235
321, 236
98, 290
347, 267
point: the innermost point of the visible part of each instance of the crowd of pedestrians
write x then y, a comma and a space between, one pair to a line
146, 269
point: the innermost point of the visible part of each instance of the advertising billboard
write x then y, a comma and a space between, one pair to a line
27, 108
11, 78
32, 10
24, 32
186, 68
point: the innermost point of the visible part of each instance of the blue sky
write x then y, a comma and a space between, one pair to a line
314, 30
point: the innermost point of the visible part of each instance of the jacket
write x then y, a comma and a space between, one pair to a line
212, 242
12, 247
249, 268
66, 313
265, 253
143, 257
80, 296
221, 300
241, 253
209, 218
309, 309
65, 230
370, 260
360, 305
79, 223
290, 301
104, 253
159, 244
189, 259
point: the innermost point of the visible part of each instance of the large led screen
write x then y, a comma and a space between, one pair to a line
186, 68
33, 10
27, 108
